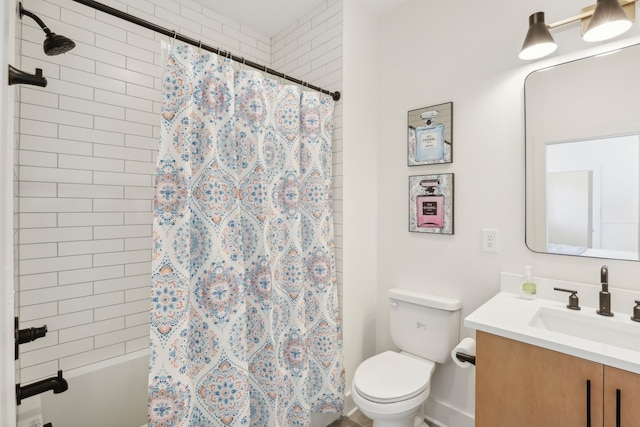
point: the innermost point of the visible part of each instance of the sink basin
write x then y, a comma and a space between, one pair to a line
613, 331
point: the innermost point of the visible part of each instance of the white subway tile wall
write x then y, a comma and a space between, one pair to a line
87, 152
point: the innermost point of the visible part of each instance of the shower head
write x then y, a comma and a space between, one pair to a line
54, 44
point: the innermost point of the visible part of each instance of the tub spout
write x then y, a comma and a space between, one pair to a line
57, 384
20, 77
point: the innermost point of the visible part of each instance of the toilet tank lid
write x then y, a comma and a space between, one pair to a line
435, 301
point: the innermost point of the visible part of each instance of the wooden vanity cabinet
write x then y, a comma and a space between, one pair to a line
621, 398
522, 385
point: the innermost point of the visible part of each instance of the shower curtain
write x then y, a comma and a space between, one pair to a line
245, 327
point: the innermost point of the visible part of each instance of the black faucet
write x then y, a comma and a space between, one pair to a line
605, 296
23, 78
57, 384
573, 298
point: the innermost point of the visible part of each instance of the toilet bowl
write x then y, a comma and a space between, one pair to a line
392, 387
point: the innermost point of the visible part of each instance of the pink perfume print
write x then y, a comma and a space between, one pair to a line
430, 206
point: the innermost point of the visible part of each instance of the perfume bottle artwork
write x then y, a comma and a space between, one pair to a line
431, 203
430, 206
429, 139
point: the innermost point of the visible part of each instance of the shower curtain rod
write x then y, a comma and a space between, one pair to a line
171, 33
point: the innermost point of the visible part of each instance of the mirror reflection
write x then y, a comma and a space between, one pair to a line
583, 157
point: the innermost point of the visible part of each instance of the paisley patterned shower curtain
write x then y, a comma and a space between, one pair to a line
244, 320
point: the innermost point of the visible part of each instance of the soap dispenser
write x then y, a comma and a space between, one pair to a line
528, 288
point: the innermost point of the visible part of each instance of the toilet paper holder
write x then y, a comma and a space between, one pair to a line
463, 357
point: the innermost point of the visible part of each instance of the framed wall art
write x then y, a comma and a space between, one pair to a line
430, 135
431, 203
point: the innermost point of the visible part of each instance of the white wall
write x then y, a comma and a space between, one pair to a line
465, 52
7, 374
87, 155
360, 186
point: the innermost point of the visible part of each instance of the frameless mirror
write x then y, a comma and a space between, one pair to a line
582, 146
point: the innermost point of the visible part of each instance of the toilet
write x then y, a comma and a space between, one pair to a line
391, 387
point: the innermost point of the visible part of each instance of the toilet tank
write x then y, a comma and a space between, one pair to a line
424, 325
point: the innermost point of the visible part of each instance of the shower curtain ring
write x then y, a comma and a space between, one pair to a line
199, 47
175, 35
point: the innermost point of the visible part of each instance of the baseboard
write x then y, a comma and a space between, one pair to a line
437, 413
349, 406
443, 415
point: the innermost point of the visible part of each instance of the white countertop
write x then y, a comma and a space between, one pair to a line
509, 316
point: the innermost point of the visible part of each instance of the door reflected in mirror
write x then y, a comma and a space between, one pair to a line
592, 189
583, 157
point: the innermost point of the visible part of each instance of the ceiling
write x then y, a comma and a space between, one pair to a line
272, 16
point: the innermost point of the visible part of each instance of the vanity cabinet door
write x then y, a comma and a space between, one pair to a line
621, 409
518, 384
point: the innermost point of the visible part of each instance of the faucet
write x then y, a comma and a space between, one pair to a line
605, 296
57, 384
573, 298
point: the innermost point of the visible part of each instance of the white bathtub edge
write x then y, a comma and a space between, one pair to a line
82, 370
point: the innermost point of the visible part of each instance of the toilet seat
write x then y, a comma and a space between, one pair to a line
392, 377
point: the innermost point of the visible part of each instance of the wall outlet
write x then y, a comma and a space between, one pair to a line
490, 240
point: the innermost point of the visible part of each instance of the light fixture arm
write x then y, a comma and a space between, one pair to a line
581, 16
574, 19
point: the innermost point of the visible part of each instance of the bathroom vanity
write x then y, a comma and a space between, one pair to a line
519, 384
540, 364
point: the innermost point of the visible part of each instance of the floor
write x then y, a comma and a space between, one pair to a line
355, 420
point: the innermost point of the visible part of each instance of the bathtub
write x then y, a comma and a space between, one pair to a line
112, 393
106, 394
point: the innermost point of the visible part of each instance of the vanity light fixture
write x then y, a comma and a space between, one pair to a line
608, 21
538, 42
602, 21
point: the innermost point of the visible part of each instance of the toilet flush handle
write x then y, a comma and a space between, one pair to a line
393, 304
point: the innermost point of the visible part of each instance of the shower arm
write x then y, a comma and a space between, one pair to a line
33, 16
